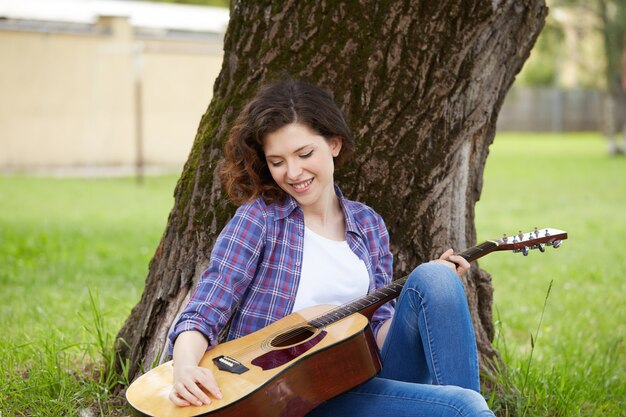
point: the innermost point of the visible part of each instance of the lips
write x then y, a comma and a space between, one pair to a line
302, 186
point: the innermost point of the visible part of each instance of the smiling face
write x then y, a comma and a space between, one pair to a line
301, 163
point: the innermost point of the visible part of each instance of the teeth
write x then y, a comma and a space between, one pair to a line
302, 185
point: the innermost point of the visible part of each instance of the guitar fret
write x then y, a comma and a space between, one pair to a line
357, 305
477, 251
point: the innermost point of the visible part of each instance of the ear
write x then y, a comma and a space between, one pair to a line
335, 144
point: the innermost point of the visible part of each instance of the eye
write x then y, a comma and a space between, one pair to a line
275, 163
307, 155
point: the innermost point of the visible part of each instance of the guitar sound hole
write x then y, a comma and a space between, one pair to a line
292, 337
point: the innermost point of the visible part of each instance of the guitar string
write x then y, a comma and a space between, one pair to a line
303, 326
242, 354
295, 330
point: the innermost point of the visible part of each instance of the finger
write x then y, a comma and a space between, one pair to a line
195, 395
461, 265
207, 380
177, 400
444, 256
460, 261
183, 393
446, 263
445, 259
200, 397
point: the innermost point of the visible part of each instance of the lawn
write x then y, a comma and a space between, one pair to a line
568, 182
74, 256
64, 243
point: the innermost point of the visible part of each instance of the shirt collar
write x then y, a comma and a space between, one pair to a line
285, 207
351, 224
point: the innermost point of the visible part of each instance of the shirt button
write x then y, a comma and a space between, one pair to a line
297, 263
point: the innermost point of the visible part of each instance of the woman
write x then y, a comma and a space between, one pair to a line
295, 241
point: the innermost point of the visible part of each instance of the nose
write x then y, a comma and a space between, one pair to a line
294, 169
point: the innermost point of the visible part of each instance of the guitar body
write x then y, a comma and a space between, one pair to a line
291, 368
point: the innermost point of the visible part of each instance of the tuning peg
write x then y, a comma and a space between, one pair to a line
536, 232
525, 250
504, 238
541, 247
520, 235
556, 244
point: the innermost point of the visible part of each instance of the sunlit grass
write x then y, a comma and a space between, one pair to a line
74, 256
567, 182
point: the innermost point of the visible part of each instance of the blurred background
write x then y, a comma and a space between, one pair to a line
97, 86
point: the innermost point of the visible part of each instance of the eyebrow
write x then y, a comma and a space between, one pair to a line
295, 151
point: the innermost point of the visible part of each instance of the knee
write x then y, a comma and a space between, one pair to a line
470, 403
436, 282
461, 402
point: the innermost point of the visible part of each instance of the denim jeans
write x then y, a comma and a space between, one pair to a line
430, 362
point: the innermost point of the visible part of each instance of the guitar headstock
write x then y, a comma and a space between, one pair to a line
537, 239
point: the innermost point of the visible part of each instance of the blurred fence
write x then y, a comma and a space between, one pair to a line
108, 94
551, 110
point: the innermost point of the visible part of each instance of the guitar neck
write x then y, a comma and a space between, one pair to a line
368, 304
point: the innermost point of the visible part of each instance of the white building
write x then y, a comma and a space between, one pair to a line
104, 83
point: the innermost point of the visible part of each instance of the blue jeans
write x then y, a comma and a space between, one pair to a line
430, 362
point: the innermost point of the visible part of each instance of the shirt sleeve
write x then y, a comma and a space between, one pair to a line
232, 266
383, 273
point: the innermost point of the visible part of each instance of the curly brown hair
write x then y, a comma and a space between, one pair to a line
245, 174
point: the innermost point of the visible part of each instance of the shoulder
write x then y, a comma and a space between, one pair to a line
363, 216
247, 227
359, 209
253, 208
250, 215
261, 213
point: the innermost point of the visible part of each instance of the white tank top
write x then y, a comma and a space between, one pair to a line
331, 273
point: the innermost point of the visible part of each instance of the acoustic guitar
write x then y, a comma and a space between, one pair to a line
303, 359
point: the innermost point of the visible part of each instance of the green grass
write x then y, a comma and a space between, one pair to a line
579, 359
74, 256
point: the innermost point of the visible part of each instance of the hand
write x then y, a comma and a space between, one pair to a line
190, 383
457, 263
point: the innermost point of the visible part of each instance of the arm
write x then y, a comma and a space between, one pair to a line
383, 273
232, 266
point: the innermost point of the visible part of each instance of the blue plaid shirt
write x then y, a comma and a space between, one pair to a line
256, 262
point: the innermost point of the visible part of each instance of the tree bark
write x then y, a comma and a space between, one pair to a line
422, 83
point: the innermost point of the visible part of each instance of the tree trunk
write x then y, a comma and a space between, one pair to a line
422, 83
613, 15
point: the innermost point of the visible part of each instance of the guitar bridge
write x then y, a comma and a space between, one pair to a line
228, 364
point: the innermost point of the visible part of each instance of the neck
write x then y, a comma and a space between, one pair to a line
326, 218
